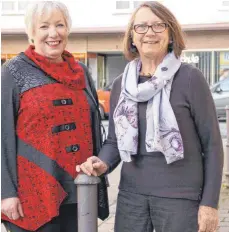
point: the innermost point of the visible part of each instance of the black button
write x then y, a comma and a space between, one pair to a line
65, 127
62, 102
72, 148
75, 148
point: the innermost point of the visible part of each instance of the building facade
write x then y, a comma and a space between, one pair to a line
97, 41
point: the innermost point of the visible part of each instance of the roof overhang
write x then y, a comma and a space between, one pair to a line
111, 30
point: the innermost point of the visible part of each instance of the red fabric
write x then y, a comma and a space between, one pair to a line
37, 116
33, 184
39, 192
69, 72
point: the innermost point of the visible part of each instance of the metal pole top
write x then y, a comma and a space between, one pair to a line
83, 179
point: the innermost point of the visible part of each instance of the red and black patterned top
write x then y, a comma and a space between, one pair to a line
46, 130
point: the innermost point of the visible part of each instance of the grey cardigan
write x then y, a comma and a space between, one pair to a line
198, 176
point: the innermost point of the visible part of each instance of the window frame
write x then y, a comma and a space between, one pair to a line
126, 11
15, 11
221, 6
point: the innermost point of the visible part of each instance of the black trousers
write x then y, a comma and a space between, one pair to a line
141, 213
65, 222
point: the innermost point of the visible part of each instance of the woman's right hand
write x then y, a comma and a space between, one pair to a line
93, 166
12, 208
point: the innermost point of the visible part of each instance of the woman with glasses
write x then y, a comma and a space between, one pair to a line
163, 126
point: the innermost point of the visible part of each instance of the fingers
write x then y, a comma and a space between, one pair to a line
202, 226
208, 224
89, 166
8, 214
15, 215
78, 168
12, 208
86, 168
20, 210
98, 165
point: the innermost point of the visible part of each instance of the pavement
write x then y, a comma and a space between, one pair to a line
108, 224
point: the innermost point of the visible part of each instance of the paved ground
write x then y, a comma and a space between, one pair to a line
108, 225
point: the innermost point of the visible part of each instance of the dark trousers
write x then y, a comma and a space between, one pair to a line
65, 222
141, 213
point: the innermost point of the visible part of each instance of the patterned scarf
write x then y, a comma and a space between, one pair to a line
68, 72
162, 132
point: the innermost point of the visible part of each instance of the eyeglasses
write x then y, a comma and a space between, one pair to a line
156, 27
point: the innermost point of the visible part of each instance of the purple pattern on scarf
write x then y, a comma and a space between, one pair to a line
162, 132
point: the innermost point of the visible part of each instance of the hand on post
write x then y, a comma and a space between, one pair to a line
93, 166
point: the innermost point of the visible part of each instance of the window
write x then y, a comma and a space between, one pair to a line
15, 7
224, 5
201, 60
221, 63
122, 6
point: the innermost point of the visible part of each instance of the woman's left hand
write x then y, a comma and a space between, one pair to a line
207, 219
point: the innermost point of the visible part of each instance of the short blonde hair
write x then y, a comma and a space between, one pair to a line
164, 14
37, 9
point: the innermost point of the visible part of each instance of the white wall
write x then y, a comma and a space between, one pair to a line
101, 13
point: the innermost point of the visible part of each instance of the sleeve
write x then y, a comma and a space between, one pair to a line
204, 114
9, 109
89, 81
109, 152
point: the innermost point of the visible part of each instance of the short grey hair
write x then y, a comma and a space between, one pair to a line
37, 9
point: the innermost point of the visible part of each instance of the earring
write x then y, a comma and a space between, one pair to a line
133, 48
170, 46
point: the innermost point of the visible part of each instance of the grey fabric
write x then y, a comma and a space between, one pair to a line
9, 109
199, 174
142, 213
27, 78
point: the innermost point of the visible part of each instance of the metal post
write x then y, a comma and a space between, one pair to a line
227, 149
87, 199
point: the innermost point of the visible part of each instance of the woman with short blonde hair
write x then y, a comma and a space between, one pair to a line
50, 124
37, 10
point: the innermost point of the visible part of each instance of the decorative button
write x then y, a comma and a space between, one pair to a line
66, 127
164, 69
64, 102
75, 148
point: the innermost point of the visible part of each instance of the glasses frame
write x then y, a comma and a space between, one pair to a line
150, 26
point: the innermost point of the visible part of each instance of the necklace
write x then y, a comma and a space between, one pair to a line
146, 74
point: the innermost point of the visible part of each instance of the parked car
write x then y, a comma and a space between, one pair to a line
104, 99
220, 93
